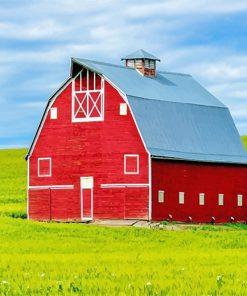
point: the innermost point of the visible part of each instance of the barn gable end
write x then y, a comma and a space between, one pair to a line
89, 148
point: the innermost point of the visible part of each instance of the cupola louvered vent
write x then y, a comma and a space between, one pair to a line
143, 61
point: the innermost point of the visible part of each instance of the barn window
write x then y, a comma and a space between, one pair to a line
53, 113
240, 200
44, 167
181, 198
201, 199
88, 97
123, 109
131, 164
221, 199
161, 196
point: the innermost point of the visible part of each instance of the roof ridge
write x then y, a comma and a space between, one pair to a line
102, 63
122, 66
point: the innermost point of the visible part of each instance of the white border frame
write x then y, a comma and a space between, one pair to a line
137, 163
81, 194
42, 187
50, 161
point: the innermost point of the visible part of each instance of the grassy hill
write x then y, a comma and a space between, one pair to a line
75, 259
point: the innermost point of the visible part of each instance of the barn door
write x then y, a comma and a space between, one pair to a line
86, 198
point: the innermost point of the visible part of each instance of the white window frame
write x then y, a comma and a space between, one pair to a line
87, 182
50, 161
201, 199
161, 196
123, 109
53, 113
240, 200
220, 199
137, 164
87, 97
181, 198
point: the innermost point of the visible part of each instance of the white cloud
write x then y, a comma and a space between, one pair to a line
186, 7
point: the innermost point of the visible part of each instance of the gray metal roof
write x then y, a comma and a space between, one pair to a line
177, 117
140, 54
188, 131
166, 86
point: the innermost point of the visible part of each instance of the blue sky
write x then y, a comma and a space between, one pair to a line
207, 39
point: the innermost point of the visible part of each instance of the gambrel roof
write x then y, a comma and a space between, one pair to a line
176, 116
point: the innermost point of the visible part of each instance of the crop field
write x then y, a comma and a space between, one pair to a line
76, 259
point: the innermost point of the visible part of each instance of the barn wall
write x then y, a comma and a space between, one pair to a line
191, 178
90, 149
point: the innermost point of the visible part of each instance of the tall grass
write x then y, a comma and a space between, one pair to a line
75, 259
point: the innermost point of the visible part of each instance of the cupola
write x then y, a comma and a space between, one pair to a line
142, 61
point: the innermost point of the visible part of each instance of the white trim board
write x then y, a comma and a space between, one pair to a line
123, 185
51, 187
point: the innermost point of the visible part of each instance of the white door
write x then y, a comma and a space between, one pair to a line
87, 198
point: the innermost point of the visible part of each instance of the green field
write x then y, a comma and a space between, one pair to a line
76, 259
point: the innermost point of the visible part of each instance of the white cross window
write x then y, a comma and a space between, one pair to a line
87, 97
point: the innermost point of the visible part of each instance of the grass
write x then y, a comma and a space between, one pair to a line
244, 139
75, 259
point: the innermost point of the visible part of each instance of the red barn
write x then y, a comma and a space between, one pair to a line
131, 142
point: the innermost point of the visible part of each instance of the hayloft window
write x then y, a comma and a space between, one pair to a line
87, 97
44, 167
131, 164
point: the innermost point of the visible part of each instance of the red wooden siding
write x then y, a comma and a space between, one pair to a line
191, 178
94, 149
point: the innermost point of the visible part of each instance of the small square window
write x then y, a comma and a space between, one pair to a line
161, 195
131, 164
221, 199
123, 109
181, 198
240, 200
53, 113
44, 167
201, 199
